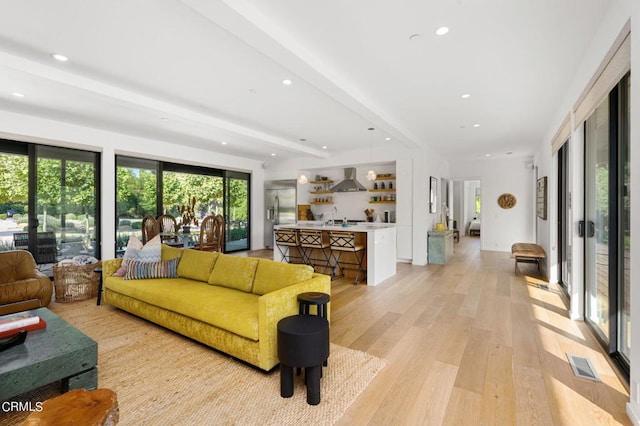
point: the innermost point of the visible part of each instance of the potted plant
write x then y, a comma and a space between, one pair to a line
188, 213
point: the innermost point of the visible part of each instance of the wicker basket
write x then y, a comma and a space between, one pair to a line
75, 283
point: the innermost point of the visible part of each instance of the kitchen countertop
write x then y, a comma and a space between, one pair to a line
356, 227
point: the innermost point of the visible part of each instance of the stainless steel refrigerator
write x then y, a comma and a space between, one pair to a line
280, 206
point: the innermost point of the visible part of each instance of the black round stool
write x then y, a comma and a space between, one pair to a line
303, 342
313, 298
317, 299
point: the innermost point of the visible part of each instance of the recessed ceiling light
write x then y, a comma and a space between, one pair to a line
414, 36
273, 154
18, 94
223, 142
164, 119
465, 96
476, 125
303, 140
509, 153
463, 126
324, 147
387, 139
487, 155
442, 31
287, 82
59, 57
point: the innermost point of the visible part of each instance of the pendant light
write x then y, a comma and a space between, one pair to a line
302, 180
371, 175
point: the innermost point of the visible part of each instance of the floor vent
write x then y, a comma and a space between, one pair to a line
583, 368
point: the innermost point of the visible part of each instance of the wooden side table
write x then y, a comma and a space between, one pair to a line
78, 407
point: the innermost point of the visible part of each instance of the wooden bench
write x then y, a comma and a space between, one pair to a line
527, 253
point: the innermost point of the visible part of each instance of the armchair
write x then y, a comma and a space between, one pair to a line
22, 286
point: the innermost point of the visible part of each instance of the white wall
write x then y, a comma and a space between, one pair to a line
501, 228
348, 204
34, 129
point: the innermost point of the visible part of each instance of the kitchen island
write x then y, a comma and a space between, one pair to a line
380, 246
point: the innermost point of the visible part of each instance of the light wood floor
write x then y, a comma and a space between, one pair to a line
469, 343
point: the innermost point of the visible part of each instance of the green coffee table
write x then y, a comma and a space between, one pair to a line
58, 352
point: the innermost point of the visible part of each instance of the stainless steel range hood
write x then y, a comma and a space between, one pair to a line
349, 184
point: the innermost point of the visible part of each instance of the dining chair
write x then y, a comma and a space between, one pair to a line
149, 228
168, 227
212, 233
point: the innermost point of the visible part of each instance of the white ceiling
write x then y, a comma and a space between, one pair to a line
199, 72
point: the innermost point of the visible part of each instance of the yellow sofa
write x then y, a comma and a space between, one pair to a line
230, 303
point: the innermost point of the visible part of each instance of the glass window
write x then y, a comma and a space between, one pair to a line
136, 189
151, 187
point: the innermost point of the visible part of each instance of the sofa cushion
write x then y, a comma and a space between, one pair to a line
234, 272
168, 252
271, 275
231, 310
196, 264
137, 270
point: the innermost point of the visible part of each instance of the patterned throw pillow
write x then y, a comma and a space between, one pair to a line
150, 252
138, 270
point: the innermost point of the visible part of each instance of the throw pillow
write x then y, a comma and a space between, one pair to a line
138, 270
150, 252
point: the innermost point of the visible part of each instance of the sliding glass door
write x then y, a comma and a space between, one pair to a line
149, 187
51, 199
237, 211
597, 168
564, 219
66, 200
607, 223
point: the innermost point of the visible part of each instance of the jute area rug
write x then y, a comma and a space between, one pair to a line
162, 378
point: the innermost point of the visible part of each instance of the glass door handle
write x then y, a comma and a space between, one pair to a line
34, 223
590, 230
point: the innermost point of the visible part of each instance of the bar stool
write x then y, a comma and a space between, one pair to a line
345, 242
317, 240
289, 238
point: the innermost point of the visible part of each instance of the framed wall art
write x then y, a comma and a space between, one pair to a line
433, 194
541, 198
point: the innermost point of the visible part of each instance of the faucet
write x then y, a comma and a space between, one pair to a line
334, 213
